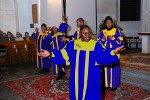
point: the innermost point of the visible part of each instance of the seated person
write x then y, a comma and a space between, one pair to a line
27, 37
4, 36
18, 37
9, 36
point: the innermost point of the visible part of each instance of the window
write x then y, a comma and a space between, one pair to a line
130, 10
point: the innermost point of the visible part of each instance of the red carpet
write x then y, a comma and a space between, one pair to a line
45, 87
136, 60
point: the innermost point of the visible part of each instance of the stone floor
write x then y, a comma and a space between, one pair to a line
12, 72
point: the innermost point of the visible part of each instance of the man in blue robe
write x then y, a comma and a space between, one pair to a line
84, 55
58, 44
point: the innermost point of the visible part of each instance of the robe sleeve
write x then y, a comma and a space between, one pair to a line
34, 35
118, 39
105, 56
100, 38
63, 27
75, 36
61, 57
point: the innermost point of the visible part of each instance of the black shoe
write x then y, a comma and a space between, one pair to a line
113, 89
61, 75
44, 70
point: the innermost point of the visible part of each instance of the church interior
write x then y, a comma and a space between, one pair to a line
22, 72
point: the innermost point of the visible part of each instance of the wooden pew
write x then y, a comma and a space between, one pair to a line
19, 51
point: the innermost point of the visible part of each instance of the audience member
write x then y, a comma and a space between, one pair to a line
9, 36
18, 37
27, 37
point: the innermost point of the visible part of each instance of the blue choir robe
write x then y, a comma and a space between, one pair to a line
85, 75
35, 35
43, 42
63, 28
112, 71
76, 35
58, 44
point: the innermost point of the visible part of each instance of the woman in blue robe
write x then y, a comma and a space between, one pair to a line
111, 38
43, 42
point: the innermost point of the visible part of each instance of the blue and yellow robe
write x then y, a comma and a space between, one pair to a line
76, 35
112, 71
35, 35
58, 44
85, 74
43, 42
63, 28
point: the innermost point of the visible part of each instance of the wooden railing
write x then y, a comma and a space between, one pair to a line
132, 40
19, 52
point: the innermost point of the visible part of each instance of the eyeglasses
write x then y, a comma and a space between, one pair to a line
86, 32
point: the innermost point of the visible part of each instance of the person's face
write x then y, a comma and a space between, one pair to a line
37, 29
86, 34
43, 29
79, 23
9, 34
55, 29
26, 34
17, 34
109, 23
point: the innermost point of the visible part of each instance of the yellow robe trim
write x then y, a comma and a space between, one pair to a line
110, 32
65, 56
86, 74
77, 75
80, 45
106, 81
111, 76
113, 53
56, 69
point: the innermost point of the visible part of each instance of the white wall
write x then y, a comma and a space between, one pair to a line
50, 12
54, 12
110, 7
7, 16
16, 15
80, 8
105, 8
24, 15
145, 15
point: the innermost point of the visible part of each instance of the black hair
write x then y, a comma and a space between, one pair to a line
52, 30
84, 26
26, 32
44, 25
80, 20
107, 18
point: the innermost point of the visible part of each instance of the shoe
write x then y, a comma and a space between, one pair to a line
61, 75
113, 89
44, 70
